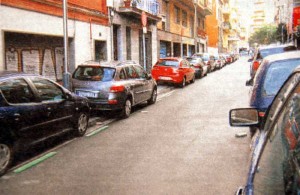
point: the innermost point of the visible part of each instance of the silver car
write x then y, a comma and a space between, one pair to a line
114, 87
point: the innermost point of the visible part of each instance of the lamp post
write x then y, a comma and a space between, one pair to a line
195, 25
110, 7
66, 74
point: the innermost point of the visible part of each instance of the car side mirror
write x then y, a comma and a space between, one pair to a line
68, 96
149, 76
243, 117
249, 82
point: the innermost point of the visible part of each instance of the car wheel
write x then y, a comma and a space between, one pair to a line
152, 100
82, 124
193, 79
126, 109
182, 85
6, 157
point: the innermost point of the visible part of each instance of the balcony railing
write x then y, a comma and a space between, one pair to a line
226, 26
150, 6
201, 33
134, 8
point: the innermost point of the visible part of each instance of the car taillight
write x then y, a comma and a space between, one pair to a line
255, 65
261, 114
112, 101
117, 88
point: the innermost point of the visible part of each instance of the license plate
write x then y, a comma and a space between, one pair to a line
86, 94
165, 78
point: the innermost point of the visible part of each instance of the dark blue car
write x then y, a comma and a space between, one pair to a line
33, 108
272, 73
275, 161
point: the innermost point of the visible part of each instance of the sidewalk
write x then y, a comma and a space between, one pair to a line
161, 89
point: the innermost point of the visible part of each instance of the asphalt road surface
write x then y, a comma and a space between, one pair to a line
183, 144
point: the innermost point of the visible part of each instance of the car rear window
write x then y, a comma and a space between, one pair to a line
276, 75
89, 73
172, 63
265, 52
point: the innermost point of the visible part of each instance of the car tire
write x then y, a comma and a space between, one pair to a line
82, 124
193, 79
183, 83
6, 157
126, 111
152, 100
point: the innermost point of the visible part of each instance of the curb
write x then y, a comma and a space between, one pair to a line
161, 89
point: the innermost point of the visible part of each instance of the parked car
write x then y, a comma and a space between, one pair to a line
33, 108
208, 59
273, 72
173, 70
218, 61
228, 58
261, 52
114, 87
201, 69
275, 162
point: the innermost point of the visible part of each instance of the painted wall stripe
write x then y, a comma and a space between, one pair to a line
35, 162
96, 131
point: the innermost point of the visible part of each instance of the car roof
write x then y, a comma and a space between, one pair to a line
283, 56
110, 64
276, 46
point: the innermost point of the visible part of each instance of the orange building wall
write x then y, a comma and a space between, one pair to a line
178, 28
211, 24
54, 7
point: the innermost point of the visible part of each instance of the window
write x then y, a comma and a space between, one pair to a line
122, 75
47, 90
276, 75
90, 73
140, 71
16, 91
100, 51
131, 72
279, 162
173, 63
184, 18
177, 15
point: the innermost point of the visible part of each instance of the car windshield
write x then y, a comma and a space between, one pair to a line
90, 73
173, 63
193, 61
276, 75
265, 52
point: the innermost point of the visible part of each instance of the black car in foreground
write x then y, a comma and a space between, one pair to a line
32, 109
275, 160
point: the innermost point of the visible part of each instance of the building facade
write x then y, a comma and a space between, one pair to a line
31, 38
181, 32
130, 41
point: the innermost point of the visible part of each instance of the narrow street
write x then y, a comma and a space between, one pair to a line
183, 144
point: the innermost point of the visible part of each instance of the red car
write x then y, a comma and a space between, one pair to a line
173, 70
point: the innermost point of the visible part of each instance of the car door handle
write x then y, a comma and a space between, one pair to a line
17, 116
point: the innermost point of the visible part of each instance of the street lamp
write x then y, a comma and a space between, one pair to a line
110, 7
195, 24
66, 74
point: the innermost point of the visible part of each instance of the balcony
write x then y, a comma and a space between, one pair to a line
226, 10
205, 6
226, 26
201, 33
135, 8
